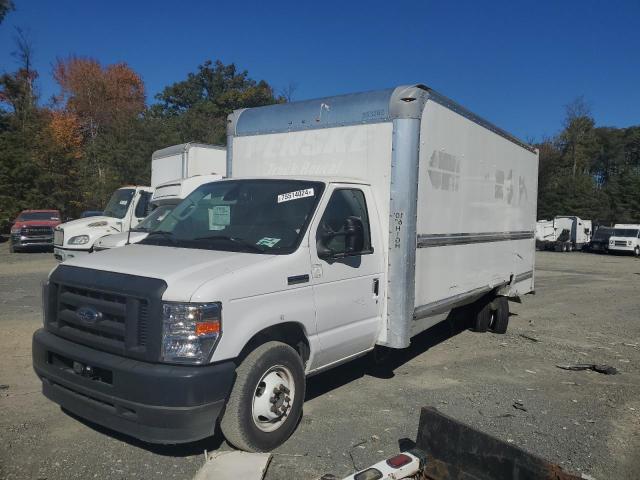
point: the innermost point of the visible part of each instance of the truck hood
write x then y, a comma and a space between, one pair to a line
184, 269
81, 227
120, 239
36, 223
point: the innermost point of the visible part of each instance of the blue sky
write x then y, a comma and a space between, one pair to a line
516, 63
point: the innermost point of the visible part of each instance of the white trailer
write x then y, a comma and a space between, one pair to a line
187, 160
350, 222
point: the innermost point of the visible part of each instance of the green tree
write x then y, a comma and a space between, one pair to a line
197, 107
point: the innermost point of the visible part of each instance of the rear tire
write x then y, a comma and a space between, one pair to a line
250, 422
500, 318
482, 318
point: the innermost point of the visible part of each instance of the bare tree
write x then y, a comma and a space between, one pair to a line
288, 91
578, 129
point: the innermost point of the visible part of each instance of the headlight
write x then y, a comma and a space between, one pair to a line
15, 230
190, 331
101, 223
79, 240
628, 243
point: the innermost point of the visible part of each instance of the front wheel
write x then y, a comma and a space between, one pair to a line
636, 251
266, 401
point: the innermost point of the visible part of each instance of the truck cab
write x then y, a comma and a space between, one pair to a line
625, 239
164, 199
126, 208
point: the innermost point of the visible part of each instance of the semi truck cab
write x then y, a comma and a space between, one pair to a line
127, 207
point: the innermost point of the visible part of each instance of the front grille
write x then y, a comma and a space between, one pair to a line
620, 243
58, 236
109, 311
35, 231
112, 312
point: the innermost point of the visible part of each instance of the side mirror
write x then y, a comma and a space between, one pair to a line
354, 235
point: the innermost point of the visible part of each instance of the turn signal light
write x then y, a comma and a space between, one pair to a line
207, 328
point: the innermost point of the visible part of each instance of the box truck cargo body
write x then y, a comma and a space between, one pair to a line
187, 160
349, 222
455, 196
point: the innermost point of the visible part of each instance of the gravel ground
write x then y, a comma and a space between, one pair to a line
586, 309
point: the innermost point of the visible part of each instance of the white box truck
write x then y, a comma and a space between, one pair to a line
350, 222
625, 239
128, 206
164, 199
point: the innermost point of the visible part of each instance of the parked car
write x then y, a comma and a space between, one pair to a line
33, 229
91, 213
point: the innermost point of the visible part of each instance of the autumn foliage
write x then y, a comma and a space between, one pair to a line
96, 95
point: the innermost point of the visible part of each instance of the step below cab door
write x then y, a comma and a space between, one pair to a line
347, 273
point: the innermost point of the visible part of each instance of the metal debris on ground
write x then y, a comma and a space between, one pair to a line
455, 450
529, 337
518, 405
234, 465
606, 369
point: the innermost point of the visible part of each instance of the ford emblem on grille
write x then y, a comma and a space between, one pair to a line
89, 314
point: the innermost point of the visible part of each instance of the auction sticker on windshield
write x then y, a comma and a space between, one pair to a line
285, 197
268, 242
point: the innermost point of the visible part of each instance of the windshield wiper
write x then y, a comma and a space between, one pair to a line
236, 240
163, 233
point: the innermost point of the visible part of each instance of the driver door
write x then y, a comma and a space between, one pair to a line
347, 284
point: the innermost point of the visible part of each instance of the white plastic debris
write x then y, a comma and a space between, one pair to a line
234, 465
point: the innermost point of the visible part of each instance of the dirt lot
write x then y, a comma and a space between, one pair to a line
586, 309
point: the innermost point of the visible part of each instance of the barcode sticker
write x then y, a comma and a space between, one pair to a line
298, 194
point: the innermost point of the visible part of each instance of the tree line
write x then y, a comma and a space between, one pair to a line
98, 132
588, 171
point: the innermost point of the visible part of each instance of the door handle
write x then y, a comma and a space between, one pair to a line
376, 287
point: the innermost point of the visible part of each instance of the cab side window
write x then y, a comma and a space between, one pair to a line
344, 227
143, 207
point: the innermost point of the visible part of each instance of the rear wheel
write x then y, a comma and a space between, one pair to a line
482, 315
500, 317
266, 401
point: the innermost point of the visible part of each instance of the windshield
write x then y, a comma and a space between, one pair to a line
625, 232
603, 233
119, 203
154, 218
28, 216
257, 216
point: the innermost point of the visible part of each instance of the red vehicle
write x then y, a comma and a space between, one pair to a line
33, 228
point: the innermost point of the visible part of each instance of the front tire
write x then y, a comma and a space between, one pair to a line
265, 404
636, 251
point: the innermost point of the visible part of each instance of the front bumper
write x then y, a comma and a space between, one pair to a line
156, 403
63, 254
25, 241
620, 248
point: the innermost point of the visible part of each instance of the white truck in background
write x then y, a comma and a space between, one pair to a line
564, 233
128, 206
350, 222
164, 199
625, 239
